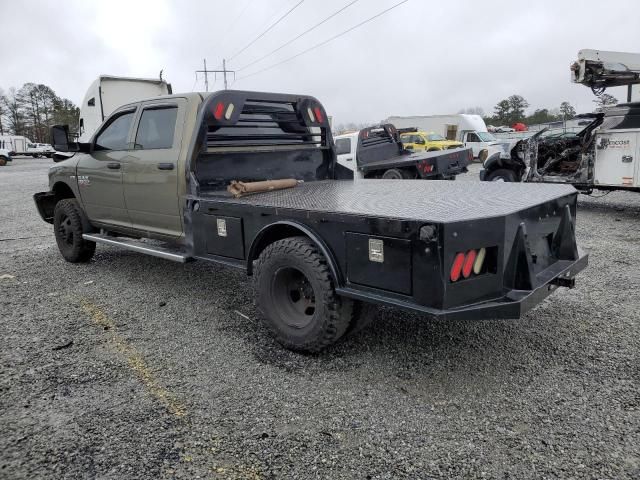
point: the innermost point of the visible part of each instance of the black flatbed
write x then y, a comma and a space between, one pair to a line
438, 201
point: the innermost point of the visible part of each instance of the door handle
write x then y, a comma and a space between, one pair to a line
165, 166
113, 165
349, 159
627, 159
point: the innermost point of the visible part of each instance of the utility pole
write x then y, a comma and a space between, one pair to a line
224, 72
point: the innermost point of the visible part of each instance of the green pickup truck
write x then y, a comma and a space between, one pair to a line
173, 177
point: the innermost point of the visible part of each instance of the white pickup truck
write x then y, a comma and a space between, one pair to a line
4, 157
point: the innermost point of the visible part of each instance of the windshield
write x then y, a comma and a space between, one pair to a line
486, 137
434, 137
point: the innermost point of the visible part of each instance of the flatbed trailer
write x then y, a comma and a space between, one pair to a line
379, 153
325, 248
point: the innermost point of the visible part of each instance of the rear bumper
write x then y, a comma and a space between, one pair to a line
511, 306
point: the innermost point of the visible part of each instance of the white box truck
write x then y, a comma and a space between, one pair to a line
19, 145
468, 129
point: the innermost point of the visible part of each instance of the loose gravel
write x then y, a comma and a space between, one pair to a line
135, 367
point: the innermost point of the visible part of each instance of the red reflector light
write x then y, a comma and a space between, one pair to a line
318, 113
219, 111
456, 269
467, 267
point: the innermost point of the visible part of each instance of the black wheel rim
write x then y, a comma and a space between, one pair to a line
65, 230
293, 297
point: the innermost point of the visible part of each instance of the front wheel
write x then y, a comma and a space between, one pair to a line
3, 161
69, 224
501, 175
296, 296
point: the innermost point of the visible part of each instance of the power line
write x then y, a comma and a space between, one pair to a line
194, 82
299, 36
325, 42
232, 24
267, 30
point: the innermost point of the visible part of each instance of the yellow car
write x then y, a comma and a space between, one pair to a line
428, 141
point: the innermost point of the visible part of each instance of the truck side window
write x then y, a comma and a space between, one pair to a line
343, 145
472, 137
156, 128
114, 136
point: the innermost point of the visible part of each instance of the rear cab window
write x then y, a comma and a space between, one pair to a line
156, 128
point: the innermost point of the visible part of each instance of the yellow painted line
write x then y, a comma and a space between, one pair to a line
134, 359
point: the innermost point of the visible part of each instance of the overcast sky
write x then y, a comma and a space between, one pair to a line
421, 57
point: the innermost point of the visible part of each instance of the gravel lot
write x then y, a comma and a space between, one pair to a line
135, 367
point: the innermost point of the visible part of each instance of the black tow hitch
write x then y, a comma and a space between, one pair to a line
564, 282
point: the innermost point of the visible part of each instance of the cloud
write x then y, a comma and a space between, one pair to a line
422, 57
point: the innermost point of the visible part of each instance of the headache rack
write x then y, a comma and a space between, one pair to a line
254, 136
242, 121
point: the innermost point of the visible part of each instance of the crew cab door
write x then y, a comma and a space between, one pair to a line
472, 140
346, 152
151, 168
99, 173
616, 158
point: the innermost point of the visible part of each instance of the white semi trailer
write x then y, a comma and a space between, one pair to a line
109, 92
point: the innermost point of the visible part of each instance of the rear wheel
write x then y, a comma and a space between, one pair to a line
296, 296
396, 174
69, 224
501, 175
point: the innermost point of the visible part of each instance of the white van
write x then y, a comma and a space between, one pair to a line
108, 92
468, 129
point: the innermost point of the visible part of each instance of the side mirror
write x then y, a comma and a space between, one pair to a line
61, 143
60, 138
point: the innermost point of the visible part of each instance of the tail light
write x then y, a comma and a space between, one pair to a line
477, 265
219, 111
469, 259
311, 115
319, 116
467, 263
456, 268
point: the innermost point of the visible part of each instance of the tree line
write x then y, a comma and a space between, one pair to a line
512, 110
32, 109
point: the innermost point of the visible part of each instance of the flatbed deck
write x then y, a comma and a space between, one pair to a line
433, 201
